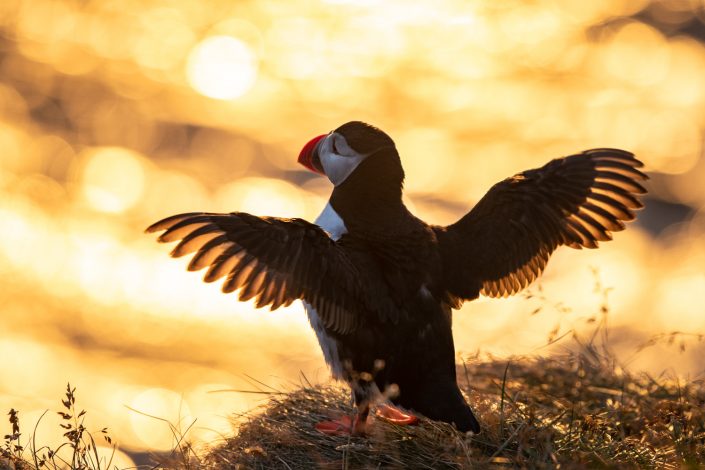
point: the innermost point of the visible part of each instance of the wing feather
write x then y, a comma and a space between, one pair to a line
195, 240
224, 263
207, 255
239, 273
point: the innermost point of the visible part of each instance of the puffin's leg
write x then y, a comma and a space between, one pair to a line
360, 424
395, 415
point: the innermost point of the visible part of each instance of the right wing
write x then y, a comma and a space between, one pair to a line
505, 241
273, 260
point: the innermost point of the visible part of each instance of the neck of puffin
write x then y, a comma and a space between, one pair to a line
370, 199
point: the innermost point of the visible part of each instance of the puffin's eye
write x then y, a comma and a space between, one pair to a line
340, 147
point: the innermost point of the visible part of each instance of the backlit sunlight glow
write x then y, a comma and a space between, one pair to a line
164, 404
222, 67
113, 179
166, 106
109, 272
262, 196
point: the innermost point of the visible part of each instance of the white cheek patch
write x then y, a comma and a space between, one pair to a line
337, 167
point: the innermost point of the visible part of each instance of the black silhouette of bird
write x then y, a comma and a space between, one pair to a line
379, 284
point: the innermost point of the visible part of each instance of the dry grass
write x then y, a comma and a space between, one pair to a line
576, 410
573, 411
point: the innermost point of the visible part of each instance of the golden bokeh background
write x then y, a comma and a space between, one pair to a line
114, 114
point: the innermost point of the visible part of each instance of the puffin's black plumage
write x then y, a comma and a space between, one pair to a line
379, 284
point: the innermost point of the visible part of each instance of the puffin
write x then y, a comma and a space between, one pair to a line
379, 285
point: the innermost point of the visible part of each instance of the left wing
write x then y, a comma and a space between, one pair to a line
273, 260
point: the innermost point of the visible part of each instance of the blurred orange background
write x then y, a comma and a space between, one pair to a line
114, 114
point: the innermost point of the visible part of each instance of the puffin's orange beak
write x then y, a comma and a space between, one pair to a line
306, 157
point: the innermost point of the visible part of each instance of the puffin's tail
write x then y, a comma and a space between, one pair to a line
442, 401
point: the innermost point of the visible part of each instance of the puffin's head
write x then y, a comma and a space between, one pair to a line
339, 153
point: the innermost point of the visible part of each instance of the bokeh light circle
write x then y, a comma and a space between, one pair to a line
222, 67
113, 178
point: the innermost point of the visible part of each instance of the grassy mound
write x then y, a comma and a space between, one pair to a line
573, 411
576, 411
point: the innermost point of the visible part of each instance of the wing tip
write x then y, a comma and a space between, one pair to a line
168, 222
618, 154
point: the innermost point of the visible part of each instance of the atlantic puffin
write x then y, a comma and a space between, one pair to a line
379, 284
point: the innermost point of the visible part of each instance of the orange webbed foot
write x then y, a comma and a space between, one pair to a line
342, 426
396, 416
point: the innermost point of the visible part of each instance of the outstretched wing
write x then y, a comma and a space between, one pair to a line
505, 241
273, 260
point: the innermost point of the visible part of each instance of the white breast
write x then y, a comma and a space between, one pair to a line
331, 222
328, 345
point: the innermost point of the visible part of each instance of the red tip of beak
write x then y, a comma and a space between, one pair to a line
306, 155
